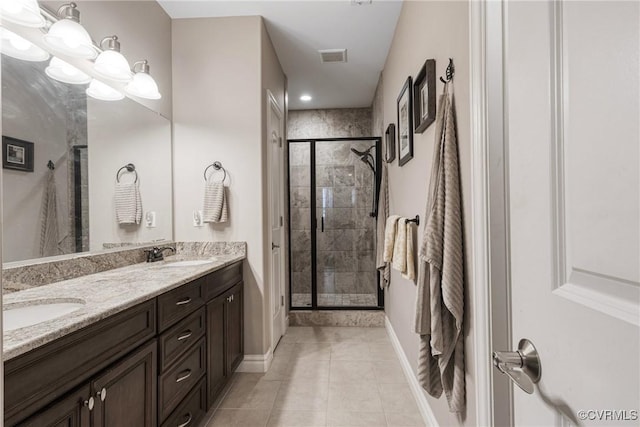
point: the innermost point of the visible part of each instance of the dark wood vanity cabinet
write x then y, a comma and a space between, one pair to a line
160, 363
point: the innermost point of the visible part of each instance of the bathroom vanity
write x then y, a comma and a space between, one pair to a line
155, 350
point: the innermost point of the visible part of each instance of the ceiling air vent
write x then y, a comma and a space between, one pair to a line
333, 55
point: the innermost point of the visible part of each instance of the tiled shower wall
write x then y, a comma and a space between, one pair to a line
344, 195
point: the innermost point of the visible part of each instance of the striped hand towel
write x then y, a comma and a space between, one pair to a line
49, 219
128, 203
215, 202
390, 237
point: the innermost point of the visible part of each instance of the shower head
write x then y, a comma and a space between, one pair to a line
366, 157
362, 153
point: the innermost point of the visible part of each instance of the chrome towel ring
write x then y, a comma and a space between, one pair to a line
130, 167
217, 166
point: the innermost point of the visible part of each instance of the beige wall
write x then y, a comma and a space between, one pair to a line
429, 30
221, 69
144, 31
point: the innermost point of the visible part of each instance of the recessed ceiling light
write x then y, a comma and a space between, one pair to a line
305, 98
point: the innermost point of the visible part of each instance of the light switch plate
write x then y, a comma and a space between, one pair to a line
197, 219
150, 219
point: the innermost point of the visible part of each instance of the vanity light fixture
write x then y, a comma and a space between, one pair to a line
17, 47
68, 37
66, 73
103, 92
305, 98
142, 85
23, 12
111, 64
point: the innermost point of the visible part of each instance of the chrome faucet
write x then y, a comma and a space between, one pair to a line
157, 254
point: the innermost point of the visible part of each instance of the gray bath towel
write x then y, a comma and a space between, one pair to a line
215, 202
383, 214
49, 218
128, 203
440, 297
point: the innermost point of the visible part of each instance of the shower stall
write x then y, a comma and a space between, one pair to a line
333, 188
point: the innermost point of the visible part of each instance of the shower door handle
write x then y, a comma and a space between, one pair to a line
322, 224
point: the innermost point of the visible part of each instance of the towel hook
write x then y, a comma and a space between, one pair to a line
50, 165
217, 166
416, 220
130, 167
449, 73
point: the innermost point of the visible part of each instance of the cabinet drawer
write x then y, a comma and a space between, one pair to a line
176, 304
176, 382
177, 339
222, 280
37, 378
191, 410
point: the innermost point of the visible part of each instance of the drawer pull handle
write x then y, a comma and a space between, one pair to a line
183, 375
102, 394
184, 301
186, 334
89, 403
186, 423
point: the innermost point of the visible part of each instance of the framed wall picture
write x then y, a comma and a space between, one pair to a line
390, 143
17, 154
405, 123
424, 96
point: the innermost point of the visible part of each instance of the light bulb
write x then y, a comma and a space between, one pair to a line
111, 64
67, 36
103, 92
23, 12
17, 47
66, 73
143, 85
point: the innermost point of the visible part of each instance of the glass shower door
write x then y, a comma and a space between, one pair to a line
345, 232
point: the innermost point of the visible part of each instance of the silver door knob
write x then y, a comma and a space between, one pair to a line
522, 366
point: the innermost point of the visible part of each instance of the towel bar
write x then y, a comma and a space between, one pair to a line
416, 220
217, 166
130, 167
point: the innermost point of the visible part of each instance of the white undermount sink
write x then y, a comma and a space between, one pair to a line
29, 313
188, 263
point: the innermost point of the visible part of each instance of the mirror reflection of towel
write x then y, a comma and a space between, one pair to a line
215, 202
49, 218
128, 203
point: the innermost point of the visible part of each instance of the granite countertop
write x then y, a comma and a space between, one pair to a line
105, 294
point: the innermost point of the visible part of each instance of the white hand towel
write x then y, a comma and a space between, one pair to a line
390, 237
410, 269
128, 203
399, 261
215, 202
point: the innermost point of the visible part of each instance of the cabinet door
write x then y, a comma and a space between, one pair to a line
235, 338
216, 368
126, 394
70, 411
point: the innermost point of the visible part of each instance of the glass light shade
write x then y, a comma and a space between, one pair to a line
17, 47
103, 92
23, 12
70, 38
143, 86
66, 73
112, 65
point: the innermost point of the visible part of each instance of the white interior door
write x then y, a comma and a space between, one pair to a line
573, 142
276, 218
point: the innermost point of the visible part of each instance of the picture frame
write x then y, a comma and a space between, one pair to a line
424, 96
17, 154
390, 143
405, 122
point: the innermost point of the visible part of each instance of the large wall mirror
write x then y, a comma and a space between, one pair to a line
87, 141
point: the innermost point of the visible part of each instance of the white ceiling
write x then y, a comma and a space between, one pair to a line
298, 29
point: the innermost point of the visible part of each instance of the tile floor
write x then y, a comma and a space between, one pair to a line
323, 376
336, 300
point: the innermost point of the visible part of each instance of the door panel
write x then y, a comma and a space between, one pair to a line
572, 108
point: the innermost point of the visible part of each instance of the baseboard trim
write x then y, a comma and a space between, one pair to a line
256, 363
425, 409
